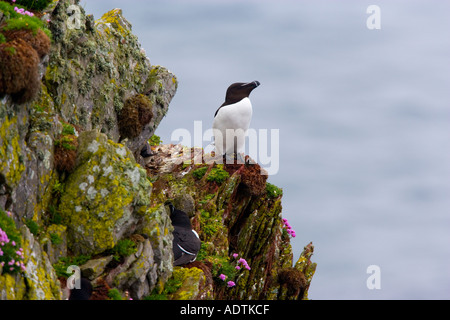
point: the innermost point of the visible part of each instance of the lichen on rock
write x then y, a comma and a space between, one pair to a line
105, 195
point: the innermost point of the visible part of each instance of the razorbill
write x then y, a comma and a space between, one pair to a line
235, 114
186, 242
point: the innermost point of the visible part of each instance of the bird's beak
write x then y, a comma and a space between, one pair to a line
253, 84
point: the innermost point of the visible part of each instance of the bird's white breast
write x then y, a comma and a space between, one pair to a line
234, 116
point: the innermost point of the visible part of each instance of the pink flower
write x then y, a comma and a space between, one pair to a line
230, 284
222, 277
238, 268
235, 255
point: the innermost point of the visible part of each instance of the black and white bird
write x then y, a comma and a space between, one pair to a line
232, 120
186, 242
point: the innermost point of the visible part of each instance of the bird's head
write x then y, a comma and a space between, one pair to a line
240, 90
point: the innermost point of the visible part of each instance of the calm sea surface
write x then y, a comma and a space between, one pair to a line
363, 117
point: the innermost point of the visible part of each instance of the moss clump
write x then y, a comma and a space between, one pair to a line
19, 70
154, 140
135, 115
293, 281
114, 294
273, 191
218, 174
38, 40
200, 172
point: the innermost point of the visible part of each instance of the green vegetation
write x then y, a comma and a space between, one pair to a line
19, 21
11, 254
200, 172
55, 239
64, 262
209, 224
155, 140
33, 226
37, 5
114, 294
123, 248
68, 129
273, 191
218, 174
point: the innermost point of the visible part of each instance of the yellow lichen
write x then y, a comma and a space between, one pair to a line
11, 165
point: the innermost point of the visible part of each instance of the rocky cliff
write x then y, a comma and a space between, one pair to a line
79, 99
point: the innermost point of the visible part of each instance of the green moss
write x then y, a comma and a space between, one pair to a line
200, 172
114, 294
218, 174
2, 38
155, 140
18, 21
124, 248
273, 191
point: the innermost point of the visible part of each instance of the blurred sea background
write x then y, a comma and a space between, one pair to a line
363, 117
